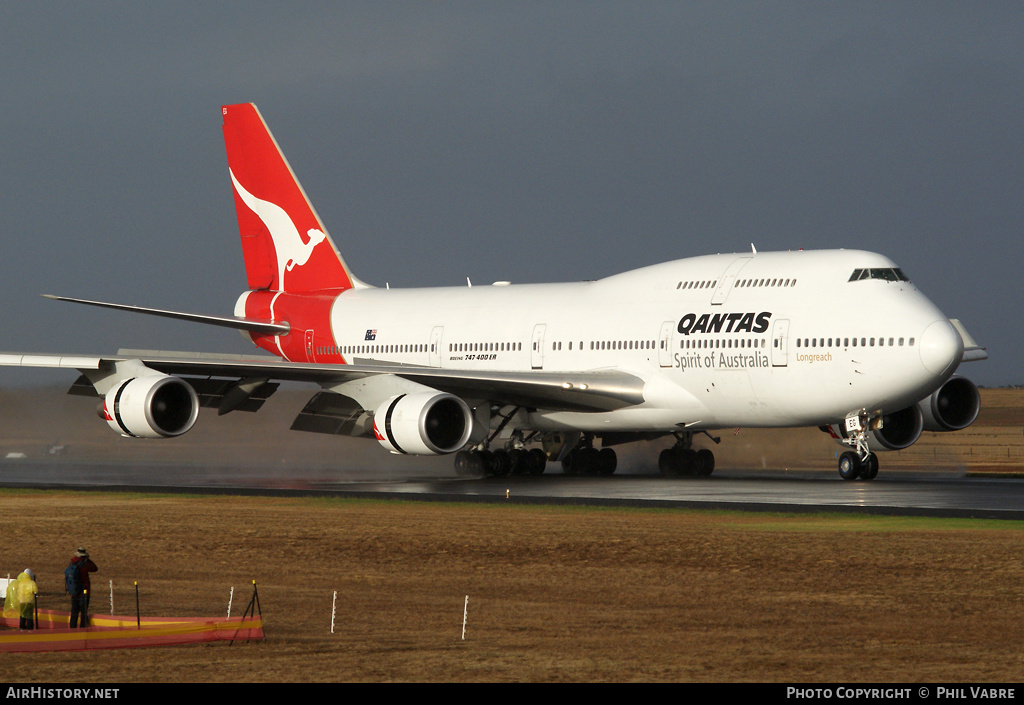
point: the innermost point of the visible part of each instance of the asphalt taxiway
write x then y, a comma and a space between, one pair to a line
950, 494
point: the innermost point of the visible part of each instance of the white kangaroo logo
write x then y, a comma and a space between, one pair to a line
290, 249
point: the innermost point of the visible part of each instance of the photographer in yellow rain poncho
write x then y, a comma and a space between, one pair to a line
21, 599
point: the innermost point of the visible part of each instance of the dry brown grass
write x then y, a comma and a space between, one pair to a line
555, 594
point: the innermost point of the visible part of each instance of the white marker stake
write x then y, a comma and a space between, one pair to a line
111, 598
334, 606
465, 611
231, 596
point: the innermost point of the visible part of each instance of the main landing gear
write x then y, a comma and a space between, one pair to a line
859, 463
585, 459
682, 459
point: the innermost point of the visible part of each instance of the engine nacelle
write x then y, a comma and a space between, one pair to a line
952, 407
898, 430
425, 423
153, 406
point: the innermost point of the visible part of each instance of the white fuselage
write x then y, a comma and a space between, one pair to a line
766, 339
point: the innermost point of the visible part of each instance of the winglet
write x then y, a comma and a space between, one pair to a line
972, 351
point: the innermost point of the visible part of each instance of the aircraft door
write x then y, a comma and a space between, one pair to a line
537, 347
665, 344
434, 350
780, 343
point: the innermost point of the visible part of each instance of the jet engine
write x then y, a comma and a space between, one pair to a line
424, 423
153, 406
952, 407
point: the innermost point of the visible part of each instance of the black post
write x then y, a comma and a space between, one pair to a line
138, 619
252, 607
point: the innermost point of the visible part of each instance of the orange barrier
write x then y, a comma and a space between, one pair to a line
118, 632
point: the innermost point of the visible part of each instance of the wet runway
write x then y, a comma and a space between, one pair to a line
893, 493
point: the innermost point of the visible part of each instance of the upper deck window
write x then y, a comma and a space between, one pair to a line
889, 274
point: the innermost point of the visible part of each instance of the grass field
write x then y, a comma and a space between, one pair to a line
555, 593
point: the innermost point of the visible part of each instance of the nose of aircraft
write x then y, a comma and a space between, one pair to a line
941, 348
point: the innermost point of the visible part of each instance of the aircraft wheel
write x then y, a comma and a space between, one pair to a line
572, 463
520, 462
501, 463
869, 468
486, 460
849, 465
687, 461
704, 462
462, 463
677, 461
667, 463
469, 463
607, 461
538, 461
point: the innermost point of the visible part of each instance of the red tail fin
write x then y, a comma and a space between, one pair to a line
286, 247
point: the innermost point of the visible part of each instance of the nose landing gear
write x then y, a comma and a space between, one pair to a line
859, 463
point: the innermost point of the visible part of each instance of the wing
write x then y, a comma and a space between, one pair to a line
597, 390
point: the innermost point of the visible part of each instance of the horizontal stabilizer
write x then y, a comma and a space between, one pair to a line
248, 324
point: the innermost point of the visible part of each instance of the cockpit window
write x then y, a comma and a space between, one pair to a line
889, 274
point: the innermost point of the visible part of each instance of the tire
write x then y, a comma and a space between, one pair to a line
687, 461
462, 465
485, 458
607, 461
704, 463
869, 468
667, 464
849, 465
572, 463
538, 461
501, 463
520, 462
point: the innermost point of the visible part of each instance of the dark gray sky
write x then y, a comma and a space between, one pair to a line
528, 141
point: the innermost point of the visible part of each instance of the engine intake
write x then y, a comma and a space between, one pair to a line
952, 407
426, 423
154, 406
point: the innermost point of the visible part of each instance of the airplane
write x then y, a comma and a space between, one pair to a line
511, 377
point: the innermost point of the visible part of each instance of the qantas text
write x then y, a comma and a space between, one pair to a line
724, 323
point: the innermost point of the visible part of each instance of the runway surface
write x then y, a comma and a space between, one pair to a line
894, 493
